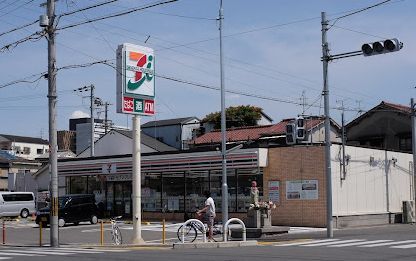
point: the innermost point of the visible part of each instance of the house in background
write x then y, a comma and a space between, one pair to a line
13, 171
120, 142
23, 147
386, 126
174, 132
267, 135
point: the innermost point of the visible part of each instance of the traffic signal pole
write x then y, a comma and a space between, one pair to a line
325, 93
52, 99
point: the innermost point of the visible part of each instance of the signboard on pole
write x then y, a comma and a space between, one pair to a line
135, 80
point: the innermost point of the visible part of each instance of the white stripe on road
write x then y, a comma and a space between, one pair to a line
75, 251
308, 242
333, 243
361, 243
35, 252
3, 257
390, 243
405, 246
6, 253
80, 250
160, 240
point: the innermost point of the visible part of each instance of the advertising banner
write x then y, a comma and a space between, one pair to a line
302, 189
135, 80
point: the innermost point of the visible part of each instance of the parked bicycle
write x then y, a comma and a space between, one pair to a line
192, 230
115, 231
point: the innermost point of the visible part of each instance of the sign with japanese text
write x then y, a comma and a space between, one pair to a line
135, 80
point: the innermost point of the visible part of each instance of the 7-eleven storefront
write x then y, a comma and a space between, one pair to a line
171, 183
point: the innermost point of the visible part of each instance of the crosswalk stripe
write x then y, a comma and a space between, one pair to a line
390, 243
30, 252
308, 242
95, 249
72, 251
405, 246
333, 243
360, 243
6, 253
4, 258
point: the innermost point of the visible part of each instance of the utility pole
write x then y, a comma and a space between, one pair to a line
52, 99
106, 117
412, 107
325, 61
343, 140
92, 87
224, 187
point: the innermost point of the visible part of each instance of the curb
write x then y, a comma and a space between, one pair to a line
200, 245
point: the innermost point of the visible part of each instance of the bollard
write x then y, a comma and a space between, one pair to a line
163, 232
40, 233
4, 232
102, 233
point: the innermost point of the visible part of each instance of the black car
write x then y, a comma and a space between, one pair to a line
72, 209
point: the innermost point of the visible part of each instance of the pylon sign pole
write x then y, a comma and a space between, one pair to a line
135, 95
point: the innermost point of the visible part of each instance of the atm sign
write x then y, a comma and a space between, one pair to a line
142, 106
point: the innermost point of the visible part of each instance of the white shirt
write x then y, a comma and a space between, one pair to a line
211, 206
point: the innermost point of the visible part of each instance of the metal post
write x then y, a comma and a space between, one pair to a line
224, 187
92, 119
325, 60
412, 106
137, 215
106, 118
344, 172
52, 98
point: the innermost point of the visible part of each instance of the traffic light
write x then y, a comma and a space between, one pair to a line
387, 46
300, 128
290, 133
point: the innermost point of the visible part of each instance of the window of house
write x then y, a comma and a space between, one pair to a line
405, 143
26, 150
39, 151
17, 149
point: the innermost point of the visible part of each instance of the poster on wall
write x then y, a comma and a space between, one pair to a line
274, 191
302, 189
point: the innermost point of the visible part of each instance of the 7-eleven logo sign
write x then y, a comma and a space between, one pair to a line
143, 67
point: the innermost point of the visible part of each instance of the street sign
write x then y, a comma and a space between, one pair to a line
135, 80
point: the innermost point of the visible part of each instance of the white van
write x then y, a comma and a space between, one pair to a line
17, 203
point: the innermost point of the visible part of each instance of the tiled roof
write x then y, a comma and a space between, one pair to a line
252, 133
24, 139
168, 122
403, 108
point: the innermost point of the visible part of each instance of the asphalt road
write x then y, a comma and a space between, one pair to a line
390, 242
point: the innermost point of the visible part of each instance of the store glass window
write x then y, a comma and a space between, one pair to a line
152, 192
173, 191
244, 179
78, 185
216, 193
196, 183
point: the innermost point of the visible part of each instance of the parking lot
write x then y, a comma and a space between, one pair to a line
26, 232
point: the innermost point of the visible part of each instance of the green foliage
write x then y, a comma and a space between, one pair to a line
240, 116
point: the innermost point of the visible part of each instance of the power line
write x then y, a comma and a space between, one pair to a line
10, 11
20, 27
359, 32
86, 8
33, 37
117, 14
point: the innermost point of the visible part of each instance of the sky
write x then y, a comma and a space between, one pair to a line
271, 52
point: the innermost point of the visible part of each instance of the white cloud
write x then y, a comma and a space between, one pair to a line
79, 114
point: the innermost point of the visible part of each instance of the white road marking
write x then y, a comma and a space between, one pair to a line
360, 243
390, 243
36, 252
308, 242
333, 243
405, 246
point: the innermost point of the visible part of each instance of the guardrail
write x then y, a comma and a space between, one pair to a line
204, 232
226, 228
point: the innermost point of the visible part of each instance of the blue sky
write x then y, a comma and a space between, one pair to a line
272, 48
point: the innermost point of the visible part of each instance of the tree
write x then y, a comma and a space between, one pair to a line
239, 116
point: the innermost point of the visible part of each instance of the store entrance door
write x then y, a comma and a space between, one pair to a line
122, 199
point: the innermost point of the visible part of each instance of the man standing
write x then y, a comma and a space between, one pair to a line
209, 211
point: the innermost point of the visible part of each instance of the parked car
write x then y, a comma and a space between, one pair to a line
13, 204
71, 209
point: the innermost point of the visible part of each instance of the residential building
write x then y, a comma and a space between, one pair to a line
23, 147
386, 126
174, 132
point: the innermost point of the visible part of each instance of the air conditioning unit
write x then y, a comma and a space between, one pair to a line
409, 212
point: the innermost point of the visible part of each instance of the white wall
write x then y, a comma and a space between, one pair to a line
364, 190
33, 149
114, 143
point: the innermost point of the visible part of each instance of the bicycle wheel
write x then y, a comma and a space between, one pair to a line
190, 233
116, 236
